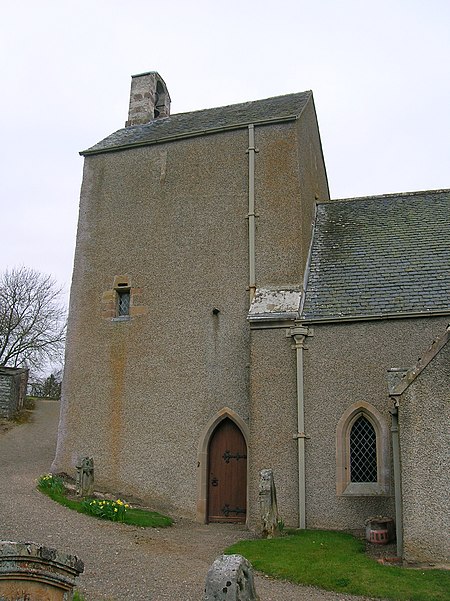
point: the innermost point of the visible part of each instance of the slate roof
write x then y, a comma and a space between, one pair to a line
182, 125
380, 256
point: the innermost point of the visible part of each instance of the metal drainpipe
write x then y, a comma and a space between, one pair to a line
299, 334
397, 481
251, 210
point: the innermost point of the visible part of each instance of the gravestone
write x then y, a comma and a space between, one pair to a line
268, 505
85, 477
230, 578
31, 572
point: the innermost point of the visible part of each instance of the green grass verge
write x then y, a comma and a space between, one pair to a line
53, 487
336, 561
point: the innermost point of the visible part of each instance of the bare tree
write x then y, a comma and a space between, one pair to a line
32, 319
48, 387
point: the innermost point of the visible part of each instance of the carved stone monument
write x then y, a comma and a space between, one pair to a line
230, 578
268, 505
85, 477
29, 571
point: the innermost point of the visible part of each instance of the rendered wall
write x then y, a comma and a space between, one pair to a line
424, 417
285, 205
138, 393
343, 364
273, 424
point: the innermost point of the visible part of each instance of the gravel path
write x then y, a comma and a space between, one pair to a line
121, 562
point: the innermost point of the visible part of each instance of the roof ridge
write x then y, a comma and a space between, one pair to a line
235, 104
278, 109
390, 195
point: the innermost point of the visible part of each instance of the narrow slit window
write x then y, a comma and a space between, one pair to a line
363, 451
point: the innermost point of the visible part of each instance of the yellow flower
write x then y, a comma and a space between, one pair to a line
126, 505
115, 509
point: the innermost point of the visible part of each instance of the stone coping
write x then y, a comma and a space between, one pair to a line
37, 561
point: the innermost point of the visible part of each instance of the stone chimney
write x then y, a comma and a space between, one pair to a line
149, 99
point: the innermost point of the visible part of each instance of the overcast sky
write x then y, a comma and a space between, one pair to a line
379, 72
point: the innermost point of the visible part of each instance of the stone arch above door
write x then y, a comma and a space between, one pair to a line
202, 464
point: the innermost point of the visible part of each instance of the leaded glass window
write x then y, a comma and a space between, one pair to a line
123, 302
363, 451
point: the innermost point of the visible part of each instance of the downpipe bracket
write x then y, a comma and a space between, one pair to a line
301, 435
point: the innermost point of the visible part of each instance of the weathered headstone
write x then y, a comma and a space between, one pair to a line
31, 572
85, 477
268, 505
230, 578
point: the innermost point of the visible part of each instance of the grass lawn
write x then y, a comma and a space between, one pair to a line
336, 561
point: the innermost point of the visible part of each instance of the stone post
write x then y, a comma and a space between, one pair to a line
85, 477
230, 578
268, 507
32, 572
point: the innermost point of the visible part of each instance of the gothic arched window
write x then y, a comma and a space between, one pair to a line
362, 465
363, 451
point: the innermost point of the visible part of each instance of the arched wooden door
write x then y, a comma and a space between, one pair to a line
227, 486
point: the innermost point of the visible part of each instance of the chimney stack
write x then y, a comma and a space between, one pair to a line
149, 99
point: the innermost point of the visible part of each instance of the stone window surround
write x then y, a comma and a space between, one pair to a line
344, 487
109, 303
122, 284
122, 290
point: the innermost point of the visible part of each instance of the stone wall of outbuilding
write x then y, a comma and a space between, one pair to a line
13, 389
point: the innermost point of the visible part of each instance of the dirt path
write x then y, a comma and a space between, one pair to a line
122, 563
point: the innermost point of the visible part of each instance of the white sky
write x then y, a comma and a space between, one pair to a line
380, 73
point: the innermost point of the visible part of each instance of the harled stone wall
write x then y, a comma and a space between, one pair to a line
343, 364
424, 417
273, 425
138, 393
